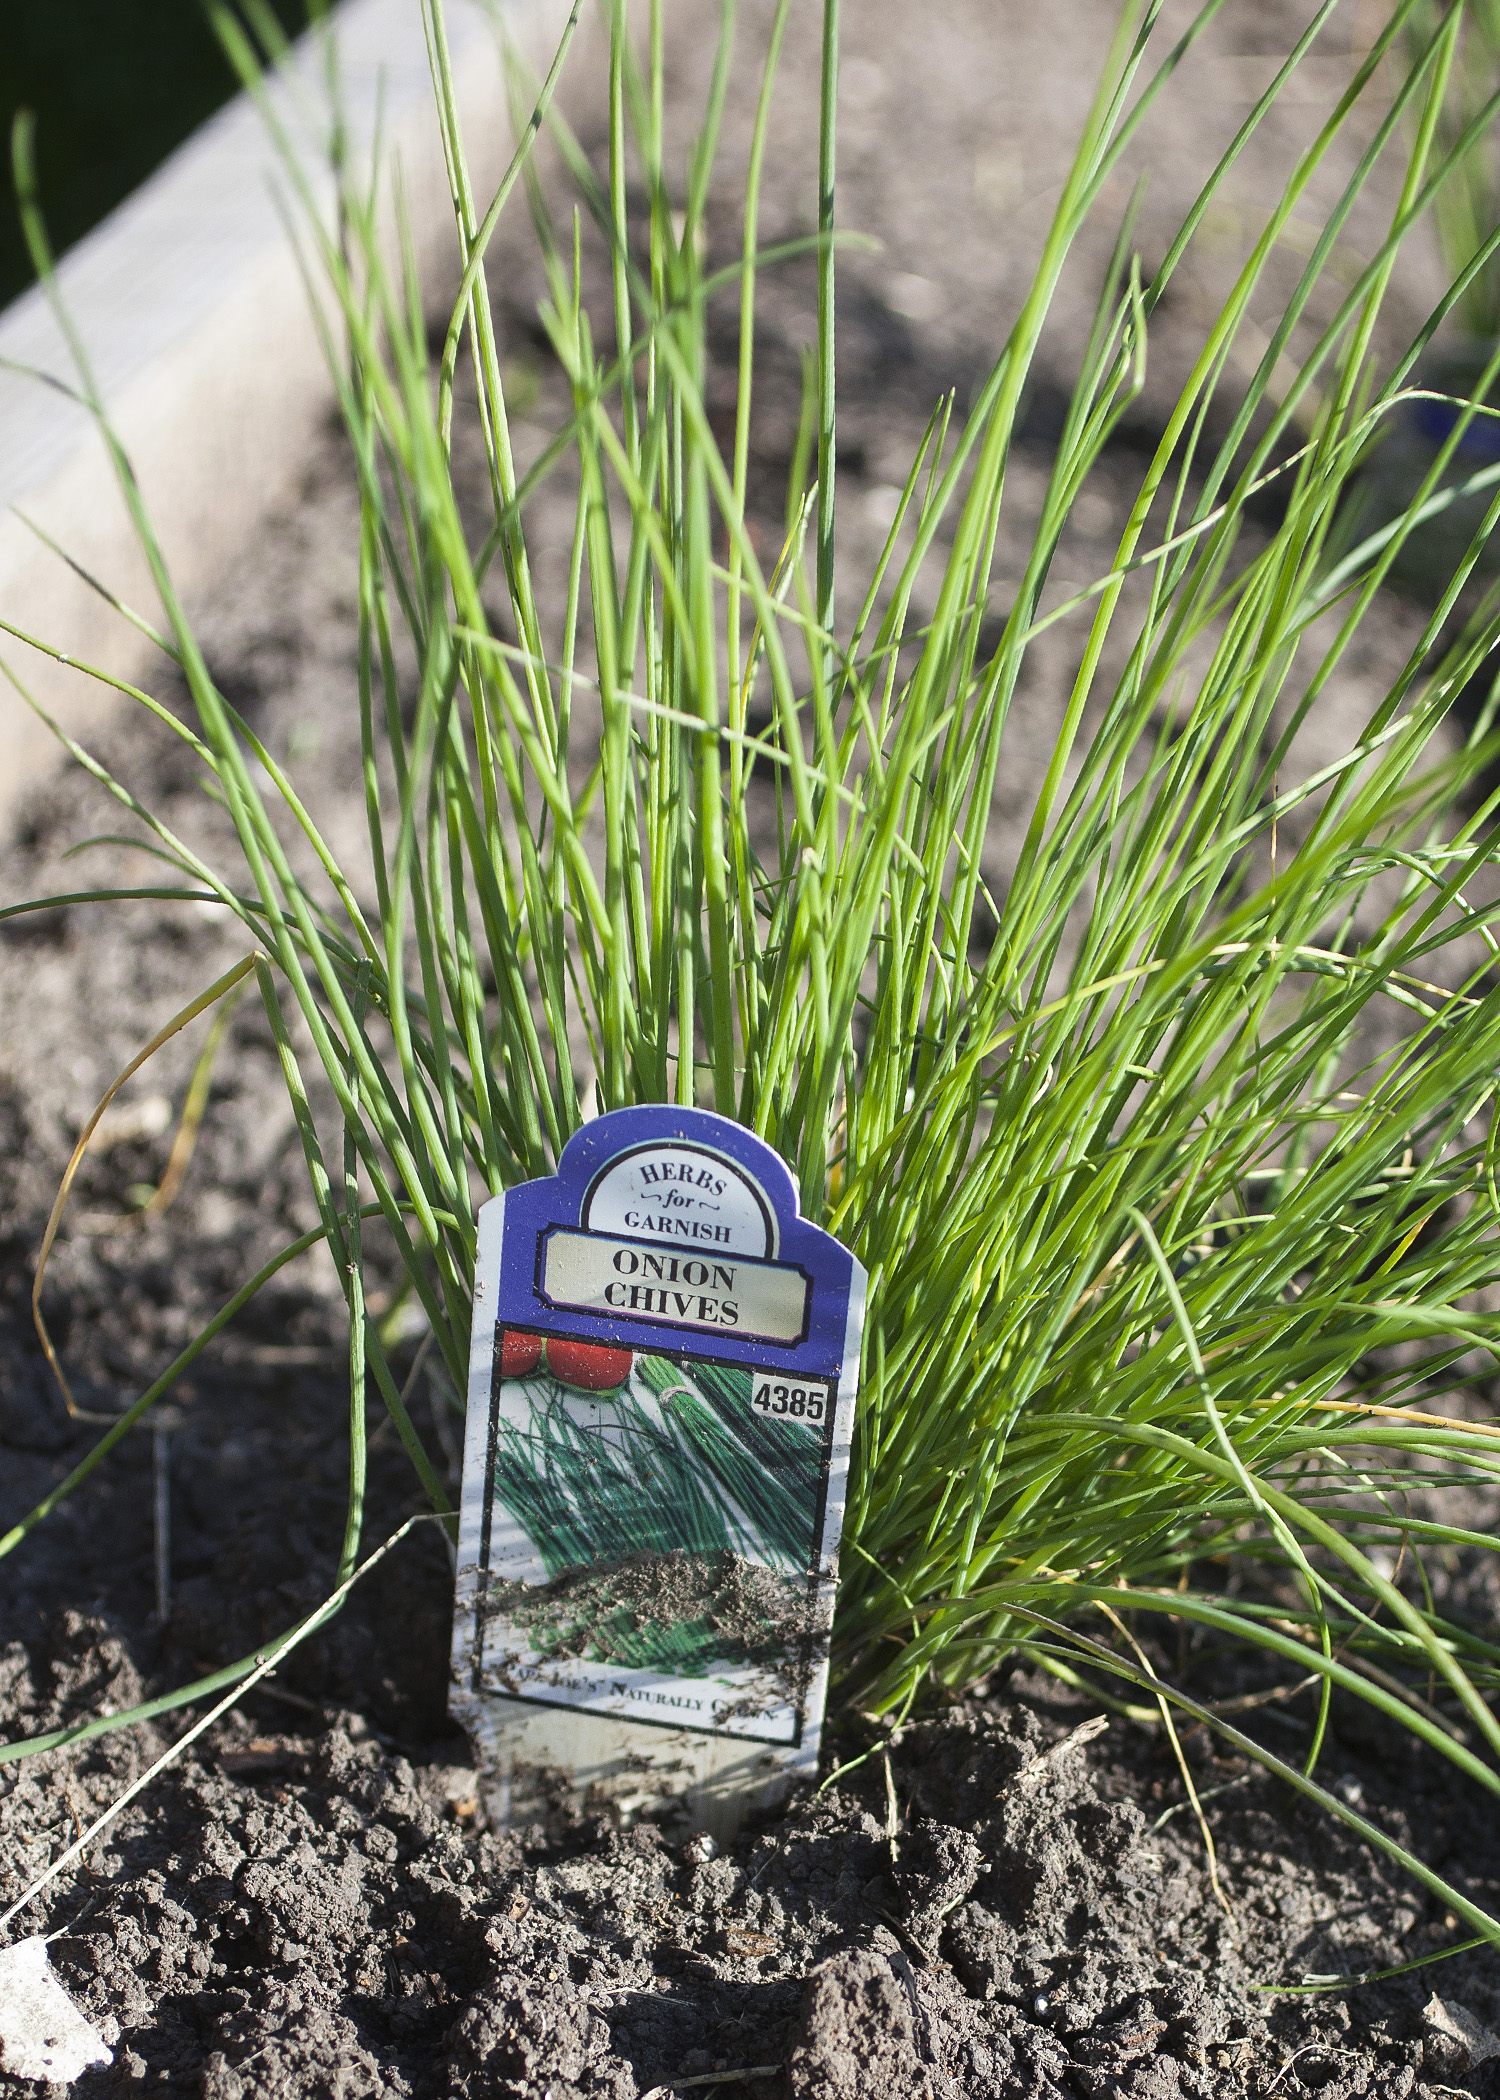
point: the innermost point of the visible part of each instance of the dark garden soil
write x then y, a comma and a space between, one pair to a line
310, 1902
311, 1906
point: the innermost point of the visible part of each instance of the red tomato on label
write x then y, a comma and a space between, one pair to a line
588, 1367
520, 1354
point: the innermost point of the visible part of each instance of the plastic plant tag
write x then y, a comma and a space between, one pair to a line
43, 2035
661, 1393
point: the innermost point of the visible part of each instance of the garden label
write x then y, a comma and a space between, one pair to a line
661, 1394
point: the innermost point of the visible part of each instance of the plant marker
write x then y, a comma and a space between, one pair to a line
43, 2035
661, 1394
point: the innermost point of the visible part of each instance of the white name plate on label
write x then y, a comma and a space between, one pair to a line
762, 1300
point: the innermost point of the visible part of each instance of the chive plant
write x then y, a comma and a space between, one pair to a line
1172, 1162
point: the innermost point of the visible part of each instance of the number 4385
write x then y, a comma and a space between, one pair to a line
796, 1400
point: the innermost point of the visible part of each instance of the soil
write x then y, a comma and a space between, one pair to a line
310, 1902
309, 1908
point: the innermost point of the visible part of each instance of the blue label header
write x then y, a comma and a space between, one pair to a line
669, 1227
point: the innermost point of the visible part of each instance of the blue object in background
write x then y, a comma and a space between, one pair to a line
1435, 420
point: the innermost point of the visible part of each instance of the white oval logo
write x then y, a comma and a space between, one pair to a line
684, 1196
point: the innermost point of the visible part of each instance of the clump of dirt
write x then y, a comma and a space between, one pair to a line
684, 1611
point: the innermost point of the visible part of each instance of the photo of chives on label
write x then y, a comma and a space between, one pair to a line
661, 1393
